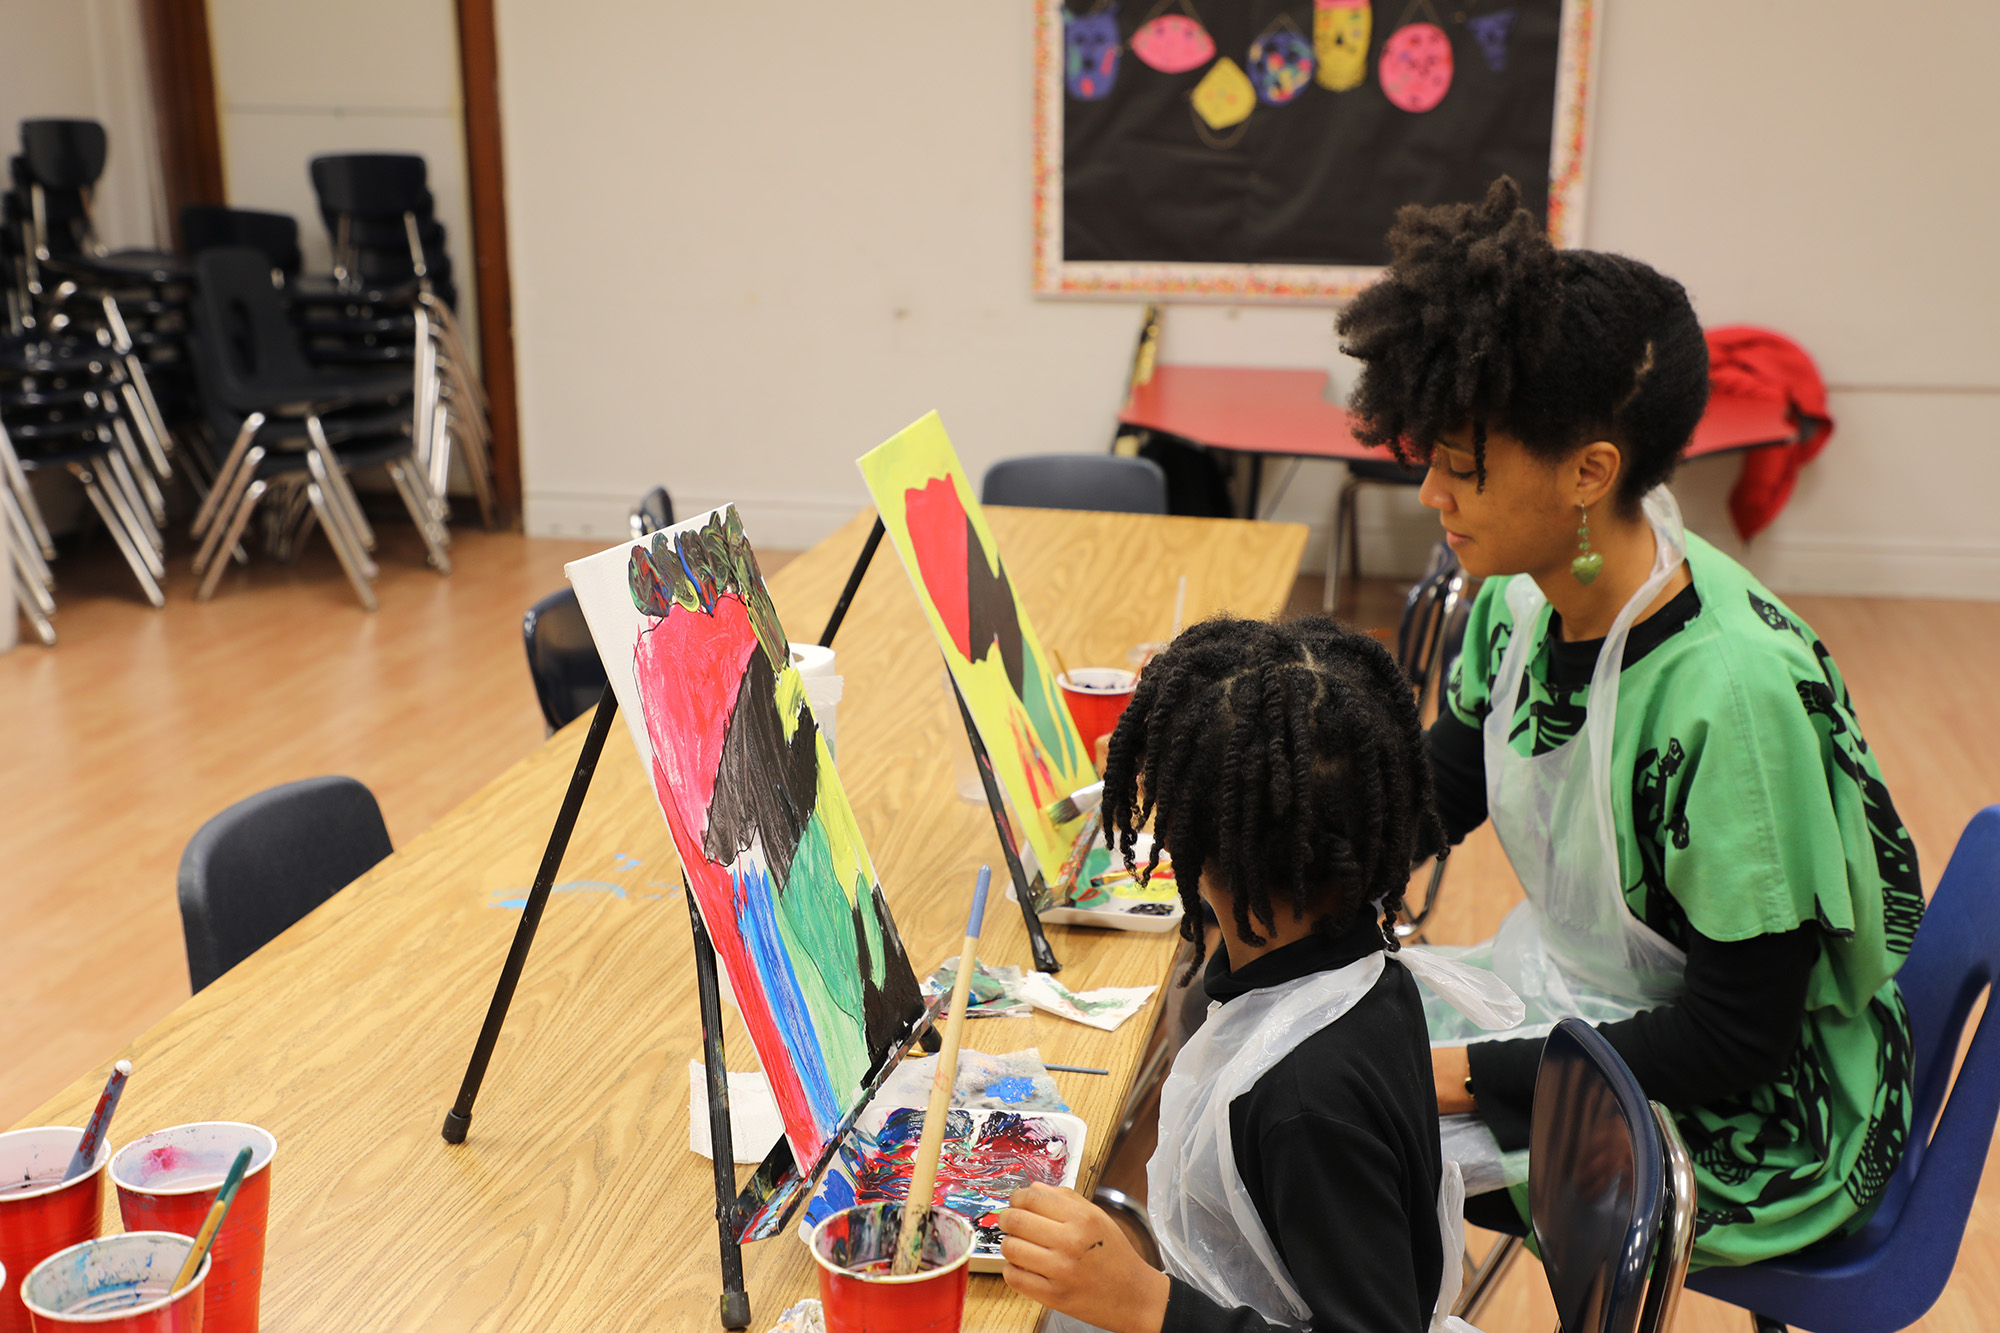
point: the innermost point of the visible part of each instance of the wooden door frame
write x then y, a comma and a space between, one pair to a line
479, 79
182, 69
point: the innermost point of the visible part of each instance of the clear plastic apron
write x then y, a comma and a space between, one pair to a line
1202, 1216
1573, 948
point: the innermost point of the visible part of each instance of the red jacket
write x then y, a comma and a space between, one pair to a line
1757, 363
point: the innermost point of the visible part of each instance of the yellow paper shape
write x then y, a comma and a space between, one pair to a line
933, 518
1340, 42
1224, 96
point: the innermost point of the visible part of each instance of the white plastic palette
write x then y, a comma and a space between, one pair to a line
838, 1189
1136, 908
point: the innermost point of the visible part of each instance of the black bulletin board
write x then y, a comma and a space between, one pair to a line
1155, 182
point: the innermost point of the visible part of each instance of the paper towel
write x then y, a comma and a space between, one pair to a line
823, 682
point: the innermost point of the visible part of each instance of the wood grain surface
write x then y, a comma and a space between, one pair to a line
575, 1203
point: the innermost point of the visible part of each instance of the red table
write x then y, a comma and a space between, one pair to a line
1286, 414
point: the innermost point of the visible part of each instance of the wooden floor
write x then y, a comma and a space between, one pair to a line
121, 740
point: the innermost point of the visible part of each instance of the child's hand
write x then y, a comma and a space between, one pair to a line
1066, 1252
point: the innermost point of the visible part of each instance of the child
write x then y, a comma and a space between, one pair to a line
1298, 1173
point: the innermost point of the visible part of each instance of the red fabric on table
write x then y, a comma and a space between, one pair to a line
1749, 362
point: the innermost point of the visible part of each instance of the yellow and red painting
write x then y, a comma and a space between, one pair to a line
930, 513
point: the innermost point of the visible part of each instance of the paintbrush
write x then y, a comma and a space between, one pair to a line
909, 1242
1120, 876
99, 1127
213, 1222
1077, 804
1180, 605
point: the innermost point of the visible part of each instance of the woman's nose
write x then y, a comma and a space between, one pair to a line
1434, 494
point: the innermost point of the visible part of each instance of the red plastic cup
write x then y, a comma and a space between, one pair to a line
167, 1181
1097, 697
855, 1248
46, 1216
120, 1284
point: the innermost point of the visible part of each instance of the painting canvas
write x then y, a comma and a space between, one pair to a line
767, 840
930, 513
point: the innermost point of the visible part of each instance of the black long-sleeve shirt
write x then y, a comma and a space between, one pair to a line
1736, 1025
1337, 1145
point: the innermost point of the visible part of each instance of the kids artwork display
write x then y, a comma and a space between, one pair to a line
930, 513
767, 840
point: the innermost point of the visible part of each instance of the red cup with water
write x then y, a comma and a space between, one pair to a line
167, 1181
120, 1284
40, 1213
855, 1249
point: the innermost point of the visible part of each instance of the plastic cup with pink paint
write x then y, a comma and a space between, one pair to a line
167, 1181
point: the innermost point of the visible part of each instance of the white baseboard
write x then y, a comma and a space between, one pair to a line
774, 522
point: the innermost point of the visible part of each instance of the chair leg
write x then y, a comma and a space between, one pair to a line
410, 485
1486, 1278
224, 529
335, 484
146, 485
230, 534
349, 559
225, 478
146, 539
1341, 504
337, 519
128, 546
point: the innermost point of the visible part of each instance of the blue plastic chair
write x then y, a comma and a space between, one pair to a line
1889, 1273
562, 658
1077, 481
1597, 1182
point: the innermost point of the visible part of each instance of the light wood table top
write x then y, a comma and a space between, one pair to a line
575, 1203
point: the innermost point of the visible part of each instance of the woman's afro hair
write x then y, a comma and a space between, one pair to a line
1479, 321
1284, 762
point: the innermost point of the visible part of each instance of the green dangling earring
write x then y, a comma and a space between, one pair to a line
1585, 567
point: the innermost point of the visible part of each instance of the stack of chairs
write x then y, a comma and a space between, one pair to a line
296, 431
391, 301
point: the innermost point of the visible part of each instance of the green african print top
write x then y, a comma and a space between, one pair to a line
1747, 803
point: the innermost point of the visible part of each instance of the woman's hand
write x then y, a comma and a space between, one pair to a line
1066, 1252
1450, 1068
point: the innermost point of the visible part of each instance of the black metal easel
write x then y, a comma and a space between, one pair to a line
777, 1189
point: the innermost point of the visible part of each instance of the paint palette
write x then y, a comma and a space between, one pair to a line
987, 1156
1153, 908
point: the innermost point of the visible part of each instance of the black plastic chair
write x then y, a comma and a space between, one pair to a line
562, 659
653, 513
206, 226
265, 862
262, 392
1344, 534
1077, 481
1613, 1235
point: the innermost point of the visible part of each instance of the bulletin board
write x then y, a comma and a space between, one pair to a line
1241, 150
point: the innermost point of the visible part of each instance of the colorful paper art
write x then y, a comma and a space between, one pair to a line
1416, 67
1224, 96
1490, 31
767, 840
1281, 63
939, 530
1173, 44
1090, 47
1340, 41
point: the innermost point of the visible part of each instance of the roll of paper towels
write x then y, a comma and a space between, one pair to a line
822, 680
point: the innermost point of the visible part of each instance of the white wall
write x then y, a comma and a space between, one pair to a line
298, 78
743, 255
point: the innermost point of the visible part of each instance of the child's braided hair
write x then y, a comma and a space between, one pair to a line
1285, 762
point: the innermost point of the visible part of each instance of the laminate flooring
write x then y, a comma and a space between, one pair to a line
140, 724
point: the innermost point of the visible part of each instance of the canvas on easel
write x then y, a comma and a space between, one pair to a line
771, 850
931, 514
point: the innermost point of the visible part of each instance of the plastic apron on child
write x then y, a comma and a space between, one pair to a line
1574, 948
1202, 1216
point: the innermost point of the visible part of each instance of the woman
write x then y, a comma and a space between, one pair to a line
1715, 873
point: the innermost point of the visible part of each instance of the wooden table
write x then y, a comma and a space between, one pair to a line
575, 1203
